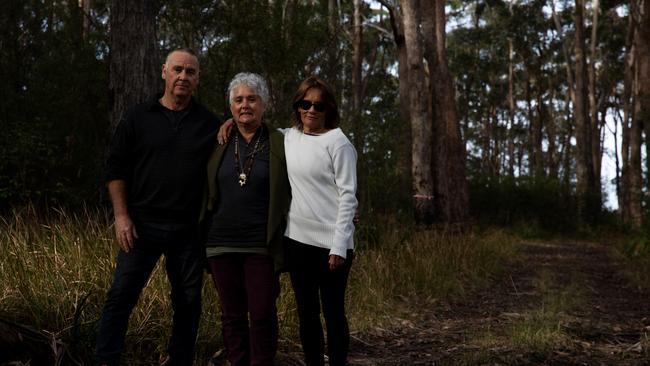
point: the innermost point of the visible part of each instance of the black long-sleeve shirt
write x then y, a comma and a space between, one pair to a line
162, 155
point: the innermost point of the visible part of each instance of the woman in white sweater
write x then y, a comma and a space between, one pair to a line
321, 163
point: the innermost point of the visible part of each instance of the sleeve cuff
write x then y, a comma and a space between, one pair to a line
341, 252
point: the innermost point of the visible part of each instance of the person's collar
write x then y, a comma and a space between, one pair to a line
263, 127
154, 103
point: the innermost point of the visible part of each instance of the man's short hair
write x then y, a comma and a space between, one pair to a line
182, 49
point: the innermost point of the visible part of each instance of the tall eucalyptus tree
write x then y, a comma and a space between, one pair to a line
134, 60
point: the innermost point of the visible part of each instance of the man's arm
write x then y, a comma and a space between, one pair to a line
124, 228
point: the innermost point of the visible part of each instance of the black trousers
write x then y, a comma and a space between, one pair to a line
315, 284
184, 265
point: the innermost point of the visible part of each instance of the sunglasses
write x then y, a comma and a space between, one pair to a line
306, 105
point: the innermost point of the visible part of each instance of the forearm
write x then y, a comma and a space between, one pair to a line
117, 192
344, 164
125, 231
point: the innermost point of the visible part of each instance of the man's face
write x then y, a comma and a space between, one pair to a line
181, 74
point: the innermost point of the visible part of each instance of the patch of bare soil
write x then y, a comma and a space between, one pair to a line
609, 326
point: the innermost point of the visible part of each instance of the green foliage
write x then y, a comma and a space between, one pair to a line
252, 36
385, 151
53, 114
546, 205
54, 110
631, 248
635, 253
637, 247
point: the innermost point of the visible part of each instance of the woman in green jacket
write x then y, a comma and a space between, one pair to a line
247, 201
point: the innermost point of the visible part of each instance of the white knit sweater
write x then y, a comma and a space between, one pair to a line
323, 175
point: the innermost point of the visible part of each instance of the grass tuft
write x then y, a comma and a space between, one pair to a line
634, 250
535, 333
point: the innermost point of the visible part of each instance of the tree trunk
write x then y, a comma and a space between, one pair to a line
596, 145
357, 100
405, 160
588, 195
85, 7
631, 179
633, 172
486, 142
567, 151
134, 61
642, 78
288, 11
451, 190
357, 64
537, 129
551, 130
397, 26
617, 160
536, 167
511, 108
332, 65
420, 119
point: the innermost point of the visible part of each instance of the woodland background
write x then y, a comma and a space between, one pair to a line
460, 110
467, 115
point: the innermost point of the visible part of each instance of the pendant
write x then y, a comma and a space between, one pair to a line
242, 179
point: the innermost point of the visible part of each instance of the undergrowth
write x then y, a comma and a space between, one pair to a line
533, 334
55, 269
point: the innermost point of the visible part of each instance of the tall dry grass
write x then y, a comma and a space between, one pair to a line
420, 265
55, 269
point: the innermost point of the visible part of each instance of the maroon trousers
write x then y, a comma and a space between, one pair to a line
248, 288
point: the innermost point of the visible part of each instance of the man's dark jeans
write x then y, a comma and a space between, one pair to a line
184, 260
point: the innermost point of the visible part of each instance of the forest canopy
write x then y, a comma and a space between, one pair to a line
515, 99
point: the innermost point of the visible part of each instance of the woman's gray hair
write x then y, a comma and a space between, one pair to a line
253, 81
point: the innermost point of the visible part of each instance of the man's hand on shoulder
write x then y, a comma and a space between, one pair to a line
224, 131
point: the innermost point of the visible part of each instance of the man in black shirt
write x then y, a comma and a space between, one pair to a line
155, 175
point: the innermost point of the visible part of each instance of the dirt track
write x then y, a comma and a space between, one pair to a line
609, 324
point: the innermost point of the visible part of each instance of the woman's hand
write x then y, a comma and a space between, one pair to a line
224, 131
335, 261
